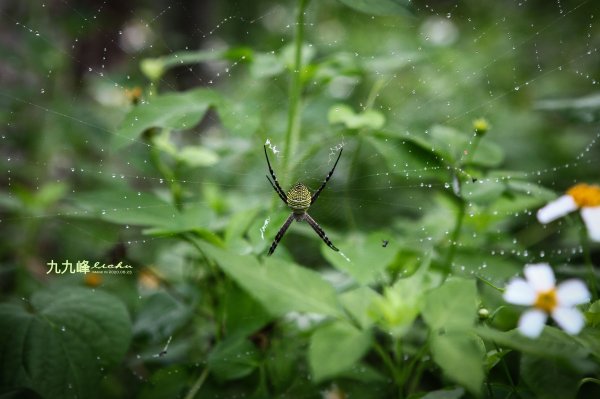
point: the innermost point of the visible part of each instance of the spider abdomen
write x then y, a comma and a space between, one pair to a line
299, 198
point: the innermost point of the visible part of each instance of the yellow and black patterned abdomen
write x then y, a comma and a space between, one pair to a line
299, 198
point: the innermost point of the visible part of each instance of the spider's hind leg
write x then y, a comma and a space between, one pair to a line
319, 231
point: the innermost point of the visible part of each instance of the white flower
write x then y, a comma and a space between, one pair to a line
540, 291
581, 196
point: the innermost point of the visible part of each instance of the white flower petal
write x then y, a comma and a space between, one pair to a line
572, 292
591, 217
556, 209
519, 292
540, 276
532, 323
569, 319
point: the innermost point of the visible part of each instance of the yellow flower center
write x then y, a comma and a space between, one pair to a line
546, 300
585, 194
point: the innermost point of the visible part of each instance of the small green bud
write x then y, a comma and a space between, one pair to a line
483, 313
481, 126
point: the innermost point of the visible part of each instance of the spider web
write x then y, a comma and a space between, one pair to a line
560, 61
447, 65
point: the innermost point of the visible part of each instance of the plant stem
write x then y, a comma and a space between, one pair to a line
583, 233
292, 136
197, 385
454, 237
416, 366
169, 175
387, 360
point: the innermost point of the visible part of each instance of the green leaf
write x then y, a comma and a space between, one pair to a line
530, 189
59, 342
281, 287
460, 355
160, 316
482, 192
239, 117
335, 348
239, 223
243, 314
401, 303
380, 7
367, 257
552, 343
143, 209
449, 145
453, 305
494, 269
357, 303
196, 156
487, 154
154, 68
233, 358
170, 111
454, 393
584, 109
124, 207
266, 65
549, 378
168, 382
369, 119
593, 314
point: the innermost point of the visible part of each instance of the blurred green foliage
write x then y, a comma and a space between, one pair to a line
133, 133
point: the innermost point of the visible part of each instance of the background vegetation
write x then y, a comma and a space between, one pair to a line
133, 132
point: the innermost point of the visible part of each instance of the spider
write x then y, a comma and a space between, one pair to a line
299, 200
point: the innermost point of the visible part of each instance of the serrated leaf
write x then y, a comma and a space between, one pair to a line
281, 287
380, 7
60, 343
335, 348
453, 305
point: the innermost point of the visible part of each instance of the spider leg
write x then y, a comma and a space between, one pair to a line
316, 194
276, 186
280, 233
280, 193
319, 231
